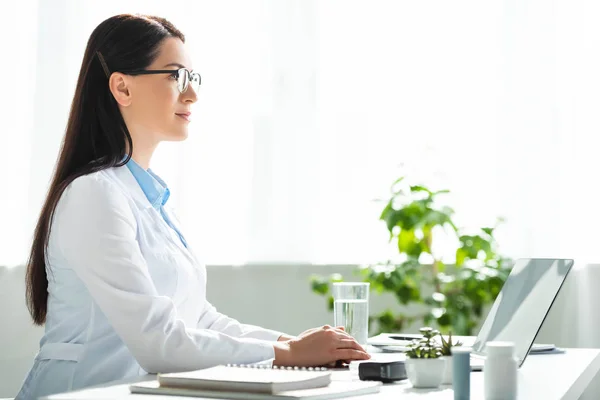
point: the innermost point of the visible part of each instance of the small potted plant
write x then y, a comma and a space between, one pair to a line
447, 353
424, 363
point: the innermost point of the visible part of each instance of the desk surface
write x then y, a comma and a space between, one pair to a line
542, 376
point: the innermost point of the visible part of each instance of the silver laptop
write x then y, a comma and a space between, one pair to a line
519, 310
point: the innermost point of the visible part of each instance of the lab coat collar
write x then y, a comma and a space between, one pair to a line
131, 186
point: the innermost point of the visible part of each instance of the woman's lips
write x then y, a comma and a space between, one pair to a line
185, 116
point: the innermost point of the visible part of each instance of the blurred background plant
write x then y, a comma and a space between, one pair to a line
451, 296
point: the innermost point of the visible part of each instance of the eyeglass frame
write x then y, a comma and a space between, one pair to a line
135, 72
173, 72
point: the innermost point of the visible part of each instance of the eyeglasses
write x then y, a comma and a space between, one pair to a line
183, 76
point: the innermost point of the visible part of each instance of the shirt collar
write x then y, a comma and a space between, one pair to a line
154, 188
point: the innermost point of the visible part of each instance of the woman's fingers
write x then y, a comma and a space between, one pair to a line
343, 334
351, 354
350, 344
344, 340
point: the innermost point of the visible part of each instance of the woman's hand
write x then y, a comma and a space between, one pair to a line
319, 346
306, 332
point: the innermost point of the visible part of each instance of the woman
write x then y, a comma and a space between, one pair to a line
110, 272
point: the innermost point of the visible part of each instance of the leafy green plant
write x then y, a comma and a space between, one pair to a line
426, 347
448, 344
453, 296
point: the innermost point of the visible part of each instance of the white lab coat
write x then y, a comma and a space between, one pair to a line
126, 297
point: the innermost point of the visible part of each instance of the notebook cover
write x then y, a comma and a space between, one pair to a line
257, 380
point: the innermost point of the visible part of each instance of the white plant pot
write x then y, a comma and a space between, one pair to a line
447, 380
425, 372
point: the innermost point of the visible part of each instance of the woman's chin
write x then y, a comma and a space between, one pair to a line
176, 136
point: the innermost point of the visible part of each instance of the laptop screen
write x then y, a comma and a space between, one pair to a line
523, 303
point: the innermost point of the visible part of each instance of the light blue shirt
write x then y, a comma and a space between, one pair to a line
156, 191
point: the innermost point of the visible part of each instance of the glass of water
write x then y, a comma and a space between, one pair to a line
351, 309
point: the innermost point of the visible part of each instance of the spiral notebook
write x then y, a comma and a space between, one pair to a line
255, 382
247, 378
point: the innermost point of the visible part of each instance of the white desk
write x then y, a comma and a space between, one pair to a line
549, 376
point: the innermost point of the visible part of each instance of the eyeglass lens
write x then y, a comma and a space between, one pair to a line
183, 80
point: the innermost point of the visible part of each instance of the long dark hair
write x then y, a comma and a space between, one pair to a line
96, 136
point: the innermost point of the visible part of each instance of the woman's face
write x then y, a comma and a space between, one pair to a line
157, 110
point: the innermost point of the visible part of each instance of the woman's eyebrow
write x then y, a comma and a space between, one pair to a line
174, 65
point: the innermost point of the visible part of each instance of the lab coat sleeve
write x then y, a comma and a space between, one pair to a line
212, 319
95, 230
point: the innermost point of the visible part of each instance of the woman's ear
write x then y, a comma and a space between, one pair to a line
119, 87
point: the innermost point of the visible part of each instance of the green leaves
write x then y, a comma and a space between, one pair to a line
409, 244
388, 321
321, 286
474, 247
418, 188
426, 347
413, 223
448, 344
477, 247
402, 280
390, 216
488, 231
